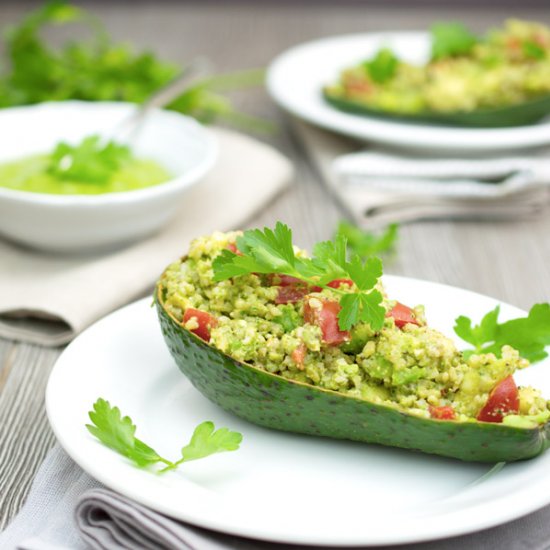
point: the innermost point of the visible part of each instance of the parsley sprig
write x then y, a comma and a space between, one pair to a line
383, 66
368, 243
92, 67
271, 251
451, 39
118, 433
90, 161
529, 335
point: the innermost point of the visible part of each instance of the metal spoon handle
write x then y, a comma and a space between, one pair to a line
130, 125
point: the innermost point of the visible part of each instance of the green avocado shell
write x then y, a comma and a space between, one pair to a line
520, 114
275, 402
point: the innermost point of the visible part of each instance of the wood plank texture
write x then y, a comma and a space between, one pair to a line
510, 261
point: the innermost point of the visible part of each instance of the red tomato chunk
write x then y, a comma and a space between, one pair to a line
204, 320
503, 399
443, 412
298, 355
337, 283
283, 280
233, 248
291, 294
326, 317
402, 315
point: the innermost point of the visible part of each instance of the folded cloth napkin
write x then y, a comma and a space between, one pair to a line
378, 187
68, 510
48, 299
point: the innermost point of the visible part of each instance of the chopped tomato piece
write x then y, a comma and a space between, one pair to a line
233, 248
291, 294
298, 355
513, 43
503, 399
283, 280
443, 412
292, 289
204, 320
402, 315
337, 283
326, 317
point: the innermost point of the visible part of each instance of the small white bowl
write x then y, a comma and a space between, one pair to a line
86, 223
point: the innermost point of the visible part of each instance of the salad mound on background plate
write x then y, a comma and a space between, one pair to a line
502, 78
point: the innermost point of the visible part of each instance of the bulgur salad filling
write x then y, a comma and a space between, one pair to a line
289, 328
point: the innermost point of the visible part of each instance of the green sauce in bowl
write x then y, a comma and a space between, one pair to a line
89, 168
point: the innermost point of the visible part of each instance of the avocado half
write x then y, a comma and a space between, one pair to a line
275, 402
519, 114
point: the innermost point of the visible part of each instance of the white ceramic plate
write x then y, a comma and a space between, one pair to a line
279, 486
296, 77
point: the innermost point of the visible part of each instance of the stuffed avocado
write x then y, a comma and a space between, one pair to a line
271, 348
498, 80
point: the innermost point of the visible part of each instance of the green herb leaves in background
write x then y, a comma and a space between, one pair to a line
451, 39
366, 243
529, 335
271, 251
95, 69
118, 433
383, 66
91, 161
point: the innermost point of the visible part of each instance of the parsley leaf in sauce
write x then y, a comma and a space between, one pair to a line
91, 160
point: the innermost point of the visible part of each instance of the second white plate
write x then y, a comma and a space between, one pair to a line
280, 486
295, 80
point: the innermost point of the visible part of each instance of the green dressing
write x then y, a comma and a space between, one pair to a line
32, 174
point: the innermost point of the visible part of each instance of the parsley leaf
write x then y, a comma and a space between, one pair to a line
529, 335
94, 68
90, 161
366, 243
118, 433
271, 251
533, 50
451, 39
357, 307
383, 66
205, 442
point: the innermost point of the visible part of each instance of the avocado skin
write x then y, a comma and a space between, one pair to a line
274, 402
521, 114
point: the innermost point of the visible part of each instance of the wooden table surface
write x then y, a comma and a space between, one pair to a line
510, 261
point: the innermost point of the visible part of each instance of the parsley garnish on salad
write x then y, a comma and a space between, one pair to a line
451, 39
271, 251
118, 433
367, 243
383, 66
528, 335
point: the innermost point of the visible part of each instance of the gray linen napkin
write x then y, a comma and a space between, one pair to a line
68, 510
48, 299
378, 187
